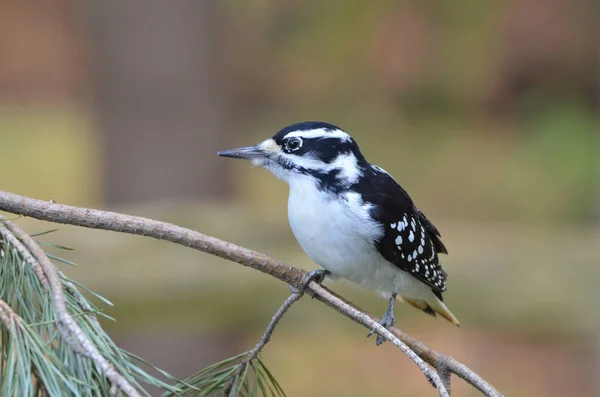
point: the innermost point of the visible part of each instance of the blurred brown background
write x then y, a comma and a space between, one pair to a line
486, 112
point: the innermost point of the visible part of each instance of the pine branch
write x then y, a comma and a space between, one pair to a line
8, 317
16, 327
70, 330
39, 354
95, 219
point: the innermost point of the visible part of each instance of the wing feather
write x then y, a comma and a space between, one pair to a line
410, 241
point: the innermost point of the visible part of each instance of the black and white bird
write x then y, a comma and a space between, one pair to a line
353, 219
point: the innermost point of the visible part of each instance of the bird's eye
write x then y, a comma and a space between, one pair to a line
293, 144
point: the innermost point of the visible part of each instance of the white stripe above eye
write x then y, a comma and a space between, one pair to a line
320, 133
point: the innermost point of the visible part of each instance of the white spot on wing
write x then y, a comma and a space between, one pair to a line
399, 240
411, 237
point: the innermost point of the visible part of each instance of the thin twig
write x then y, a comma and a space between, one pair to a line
8, 317
37, 268
83, 304
96, 219
252, 354
67, 326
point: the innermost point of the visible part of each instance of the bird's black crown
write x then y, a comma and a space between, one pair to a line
304, 126
325, 147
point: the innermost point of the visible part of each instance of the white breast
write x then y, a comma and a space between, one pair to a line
337, 234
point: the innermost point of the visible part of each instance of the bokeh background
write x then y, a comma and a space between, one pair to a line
486, 112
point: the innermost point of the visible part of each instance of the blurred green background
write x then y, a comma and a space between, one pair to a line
486, 112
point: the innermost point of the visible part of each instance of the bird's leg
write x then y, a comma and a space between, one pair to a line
387, 320
316, 275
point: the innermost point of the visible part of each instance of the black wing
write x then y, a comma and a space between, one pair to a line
434, 234
410, 241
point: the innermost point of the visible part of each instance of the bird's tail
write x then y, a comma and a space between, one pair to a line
432, 307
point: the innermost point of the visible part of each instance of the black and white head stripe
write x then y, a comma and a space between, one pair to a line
320, 141
311, 130
319, 149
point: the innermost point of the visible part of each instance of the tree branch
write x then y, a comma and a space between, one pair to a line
95, 219
445, 374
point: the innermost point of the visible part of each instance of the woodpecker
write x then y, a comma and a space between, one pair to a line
353, 219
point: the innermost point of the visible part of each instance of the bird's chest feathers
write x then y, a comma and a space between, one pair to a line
334, 230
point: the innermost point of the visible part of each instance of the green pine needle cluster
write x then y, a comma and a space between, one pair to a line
36, 361
244, 375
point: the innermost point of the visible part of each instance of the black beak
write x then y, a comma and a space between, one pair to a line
247, 153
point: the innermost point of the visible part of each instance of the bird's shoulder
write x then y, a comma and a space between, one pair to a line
410, 241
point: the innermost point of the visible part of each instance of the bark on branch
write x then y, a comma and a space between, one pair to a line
95, 219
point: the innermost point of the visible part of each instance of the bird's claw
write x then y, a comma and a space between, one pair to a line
386, 322
316, 275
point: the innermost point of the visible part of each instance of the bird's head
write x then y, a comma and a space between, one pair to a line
315, 150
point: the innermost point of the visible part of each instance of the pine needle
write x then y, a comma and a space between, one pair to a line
233, 377
34, 360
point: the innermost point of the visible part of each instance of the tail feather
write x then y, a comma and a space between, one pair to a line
432, 307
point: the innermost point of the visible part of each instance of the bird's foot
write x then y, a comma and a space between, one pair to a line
387, 320
316, 275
